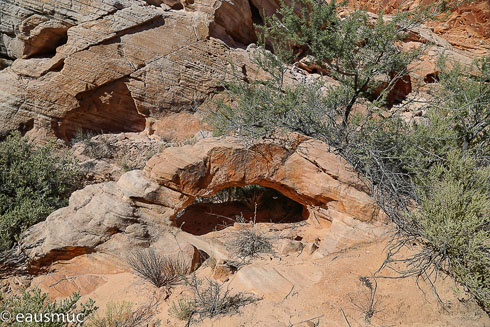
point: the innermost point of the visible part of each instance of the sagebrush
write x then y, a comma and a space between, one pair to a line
209, 299
160, 270
34, 181
68, 312
125, 314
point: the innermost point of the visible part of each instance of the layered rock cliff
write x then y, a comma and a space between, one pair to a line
132, 66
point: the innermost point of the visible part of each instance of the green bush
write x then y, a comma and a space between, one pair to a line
453, 219
125, 314
209, 299
34, 182
409, 165
33, 308
182, 309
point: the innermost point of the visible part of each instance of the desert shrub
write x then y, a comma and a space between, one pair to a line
453, 220
367, 304
94, 148
209, 300
160, 270
249, 242
125, 314
65, 313
99, 149
360, 54
115, 315
182, 309
446, 159
82, 136
34, 181
408, 164
126, 163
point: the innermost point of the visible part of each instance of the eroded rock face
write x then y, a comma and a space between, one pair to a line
124, 65
108, 66
466, 27
109, 217
136, 211
307, 173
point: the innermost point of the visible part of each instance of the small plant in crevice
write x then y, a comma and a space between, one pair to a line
208, 300
82, 136
250, 242
126, 164
98, 148
159, 270
181, 309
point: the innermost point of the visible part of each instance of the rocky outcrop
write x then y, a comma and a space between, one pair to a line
306, 172
109, 217
465, 27
136, 211
104, 67
125, 66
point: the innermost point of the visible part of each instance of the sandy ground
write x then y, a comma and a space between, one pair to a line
295, 290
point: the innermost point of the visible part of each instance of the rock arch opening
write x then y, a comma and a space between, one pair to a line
238, 205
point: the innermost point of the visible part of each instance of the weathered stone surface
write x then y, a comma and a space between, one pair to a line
108, 217
306, 172
264, 281
346, 232
16, 13
286, 246
113, 74
136, 211
275, 282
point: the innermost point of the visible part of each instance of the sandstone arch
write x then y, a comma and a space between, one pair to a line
115, 217
305, 172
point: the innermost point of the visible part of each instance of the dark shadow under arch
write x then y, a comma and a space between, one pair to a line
222, 210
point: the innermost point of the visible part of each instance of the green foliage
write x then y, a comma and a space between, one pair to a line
208, 300
440, 166
464, 97
116, 315
360, 54
125, 314
182, 309
409, 165
34, 182
37, 310
352, 49
453, 220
